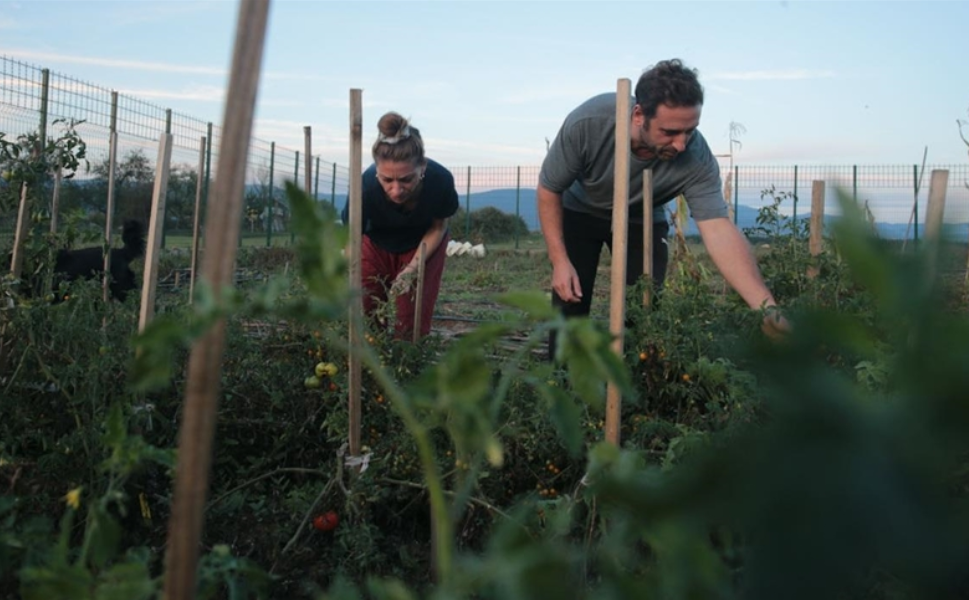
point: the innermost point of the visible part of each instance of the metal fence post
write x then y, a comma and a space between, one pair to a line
518, 193
316, 181
467, 208
794, 214
333, 188
164, 216
44, 100
292, 234
736, 194
915, 206
854, 183
208, 177
272, 198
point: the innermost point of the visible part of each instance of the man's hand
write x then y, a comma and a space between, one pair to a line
565, 282
774, 325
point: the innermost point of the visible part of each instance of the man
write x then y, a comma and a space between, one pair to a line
575, 191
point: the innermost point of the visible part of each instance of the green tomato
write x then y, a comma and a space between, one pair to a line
325, 369
312, 382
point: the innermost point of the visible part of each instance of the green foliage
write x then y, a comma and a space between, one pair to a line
834, 459
488, 225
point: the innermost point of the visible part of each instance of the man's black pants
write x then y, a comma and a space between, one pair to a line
584, 237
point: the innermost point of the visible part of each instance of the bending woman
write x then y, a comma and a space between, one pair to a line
407, 199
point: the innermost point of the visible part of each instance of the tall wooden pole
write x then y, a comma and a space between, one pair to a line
620, 243
355, 371
205, 361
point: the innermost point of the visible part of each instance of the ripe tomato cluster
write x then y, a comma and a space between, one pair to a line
326, 521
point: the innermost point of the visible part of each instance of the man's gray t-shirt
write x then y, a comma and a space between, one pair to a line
580, 165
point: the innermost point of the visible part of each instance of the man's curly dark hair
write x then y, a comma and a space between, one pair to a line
668, 82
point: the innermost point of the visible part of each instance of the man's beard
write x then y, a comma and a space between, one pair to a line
662, 152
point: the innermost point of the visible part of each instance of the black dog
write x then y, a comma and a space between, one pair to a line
89, 262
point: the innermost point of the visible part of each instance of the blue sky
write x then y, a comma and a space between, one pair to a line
487, 82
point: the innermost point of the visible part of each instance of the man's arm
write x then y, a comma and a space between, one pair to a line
565, 281
731, 253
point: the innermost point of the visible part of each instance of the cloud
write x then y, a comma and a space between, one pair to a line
778, 75
202, 94
543, 95
114, 62
8, 23
126, 14
721, 89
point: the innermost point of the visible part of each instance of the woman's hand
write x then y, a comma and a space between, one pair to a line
402, 283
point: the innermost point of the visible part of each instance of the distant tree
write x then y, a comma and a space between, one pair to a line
134, 182
180, 201
134, 187
488, 225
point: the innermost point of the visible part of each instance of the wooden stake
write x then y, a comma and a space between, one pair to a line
109, 210
938, 185
620, 243
355, 371
419, 292
23, 220
647, 232
308, 161
155, 226
815, 240
934, 214
55, 201
196, 220
205, 361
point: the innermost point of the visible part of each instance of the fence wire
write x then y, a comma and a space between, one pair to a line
896, 195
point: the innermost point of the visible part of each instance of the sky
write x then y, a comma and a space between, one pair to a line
488, 82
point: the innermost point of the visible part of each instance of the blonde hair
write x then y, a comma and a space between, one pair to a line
397, 140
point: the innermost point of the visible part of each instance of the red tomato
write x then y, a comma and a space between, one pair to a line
327, 521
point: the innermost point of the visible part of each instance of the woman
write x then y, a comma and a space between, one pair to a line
407, 200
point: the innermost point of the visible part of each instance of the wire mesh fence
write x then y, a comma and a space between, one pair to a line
33, 98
